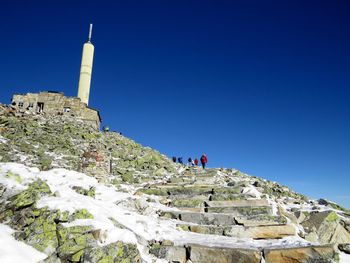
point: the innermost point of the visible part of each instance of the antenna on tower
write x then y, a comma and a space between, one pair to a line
90, 33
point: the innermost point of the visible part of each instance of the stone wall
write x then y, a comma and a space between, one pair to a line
54, 103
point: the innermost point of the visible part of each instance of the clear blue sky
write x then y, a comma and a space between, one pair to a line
261, 86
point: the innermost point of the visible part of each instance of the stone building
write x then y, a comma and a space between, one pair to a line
55, 103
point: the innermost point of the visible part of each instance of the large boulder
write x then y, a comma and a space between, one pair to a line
325, 227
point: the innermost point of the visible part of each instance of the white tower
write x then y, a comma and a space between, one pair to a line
86, 70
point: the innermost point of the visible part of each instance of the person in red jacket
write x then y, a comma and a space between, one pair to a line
196, 162
204, 160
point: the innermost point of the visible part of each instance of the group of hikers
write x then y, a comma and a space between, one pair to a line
192, 162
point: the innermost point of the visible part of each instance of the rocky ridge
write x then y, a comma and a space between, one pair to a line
196, 215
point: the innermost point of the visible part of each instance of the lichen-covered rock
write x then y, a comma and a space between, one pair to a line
29, 196
325, 227
62, 141
41, 233
114, 252
73, 241
14, 176
88, 192
169, 253
82, 214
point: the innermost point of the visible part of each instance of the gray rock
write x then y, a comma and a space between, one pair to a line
345, 248
200, 254
170, 253
310, 254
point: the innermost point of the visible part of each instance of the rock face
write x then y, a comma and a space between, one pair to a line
211, 215
325, 227
44, 230
50, 141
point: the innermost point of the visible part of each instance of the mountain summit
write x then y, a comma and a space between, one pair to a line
70, 193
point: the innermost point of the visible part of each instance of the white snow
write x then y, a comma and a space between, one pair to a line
120, 216
344, 258
13, 251
251, 190
2, 139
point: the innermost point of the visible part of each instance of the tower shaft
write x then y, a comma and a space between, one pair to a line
86, 70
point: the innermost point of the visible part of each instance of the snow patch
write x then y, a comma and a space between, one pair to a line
13, 251
251, 190
2, 139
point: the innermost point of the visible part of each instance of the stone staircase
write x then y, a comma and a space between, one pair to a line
201, 204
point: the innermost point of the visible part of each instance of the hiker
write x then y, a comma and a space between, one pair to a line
196, 162
174, 159
204, 160
189, 161
179, 160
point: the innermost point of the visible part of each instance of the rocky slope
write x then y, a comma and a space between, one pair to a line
77, 195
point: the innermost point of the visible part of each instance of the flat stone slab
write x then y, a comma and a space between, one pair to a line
169, 253
270, 232
198, 217
204, 197
208, 218
192, 209
190, 202
310, 254
261, 220
205, 229
237, 203
181, 179
242, 210
201, 254
258, 232
227, 197
227, 190
186, 190
189, 190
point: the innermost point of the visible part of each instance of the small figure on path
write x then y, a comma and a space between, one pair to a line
189, 161
196, 162
174, 159
204, 160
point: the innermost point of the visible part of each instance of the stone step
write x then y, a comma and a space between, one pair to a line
227, 197
164, 190
319, 254
237, 203
187, 189
261, 220
205, 182
153, 191
200, 218
196, 253
203, 254
191, 202
254, 232
181, 179
205, 197
191, 209
224, 219
227, 190
168, 185
241, 211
